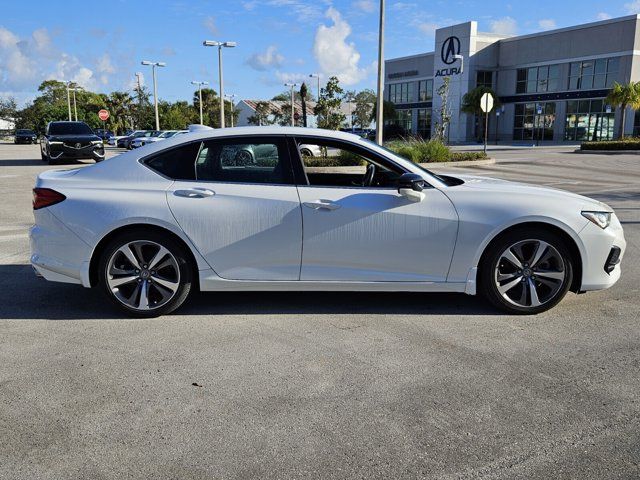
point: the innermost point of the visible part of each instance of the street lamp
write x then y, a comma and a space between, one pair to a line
69, 98
195, 82
155, 88
380, 99
292, 86
212, 43
231, 98
461, 58
316, 75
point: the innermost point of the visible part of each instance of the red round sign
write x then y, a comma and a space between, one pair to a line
103, 115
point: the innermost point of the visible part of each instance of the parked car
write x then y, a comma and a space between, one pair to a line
151, 225
70, 141
140, 141
125, 142
105, 135
24, 135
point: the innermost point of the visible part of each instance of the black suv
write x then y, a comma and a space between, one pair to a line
24, 135
70, 141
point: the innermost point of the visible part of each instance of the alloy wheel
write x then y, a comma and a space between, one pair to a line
143, 275
530, 273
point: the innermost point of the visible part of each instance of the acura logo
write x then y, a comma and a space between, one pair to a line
450, 47
78, 145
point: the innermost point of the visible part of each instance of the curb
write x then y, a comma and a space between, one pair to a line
464, 163
609, 152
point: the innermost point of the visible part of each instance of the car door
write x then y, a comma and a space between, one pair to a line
360, 229
241, 208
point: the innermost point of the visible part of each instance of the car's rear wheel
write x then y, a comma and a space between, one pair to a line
526, 271
145, 274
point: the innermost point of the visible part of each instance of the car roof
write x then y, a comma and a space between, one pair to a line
271, 130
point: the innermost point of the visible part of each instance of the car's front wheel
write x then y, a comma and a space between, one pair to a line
526, 271
145, 274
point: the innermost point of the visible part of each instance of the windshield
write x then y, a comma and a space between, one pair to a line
70, 128
25, 132
167, 134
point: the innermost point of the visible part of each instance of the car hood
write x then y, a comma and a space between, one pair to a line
508, 188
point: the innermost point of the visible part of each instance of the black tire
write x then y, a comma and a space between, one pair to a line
305, 152
186, 272
489, 269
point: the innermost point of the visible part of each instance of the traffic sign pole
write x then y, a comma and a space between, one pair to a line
486, 105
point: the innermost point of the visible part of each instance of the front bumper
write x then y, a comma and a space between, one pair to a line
600, 268
64, 151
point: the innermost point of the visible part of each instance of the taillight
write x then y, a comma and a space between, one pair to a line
45, 197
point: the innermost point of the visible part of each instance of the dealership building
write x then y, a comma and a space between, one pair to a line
551, 85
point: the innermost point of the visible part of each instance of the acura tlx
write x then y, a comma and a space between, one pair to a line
242, 209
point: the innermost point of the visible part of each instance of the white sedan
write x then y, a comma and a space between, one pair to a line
150, 225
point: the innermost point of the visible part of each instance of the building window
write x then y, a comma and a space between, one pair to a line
425, 90
636, 124
424, 122
588, 120
401, 92
538, 79
531, 125
590, 74
403, 119
484, 78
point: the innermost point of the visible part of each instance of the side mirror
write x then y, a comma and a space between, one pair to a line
410, 186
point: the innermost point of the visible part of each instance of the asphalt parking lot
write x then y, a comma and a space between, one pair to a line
323, 385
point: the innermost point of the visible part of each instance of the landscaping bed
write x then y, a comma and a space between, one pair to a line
632, 143
431, 151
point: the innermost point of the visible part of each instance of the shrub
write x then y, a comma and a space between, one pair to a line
632, 143
421, 151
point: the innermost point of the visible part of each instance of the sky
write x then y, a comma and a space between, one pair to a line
100, 44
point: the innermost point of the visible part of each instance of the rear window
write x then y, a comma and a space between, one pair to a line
70, 129
177, 163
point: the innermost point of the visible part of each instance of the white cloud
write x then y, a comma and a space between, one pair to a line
284, 77
632, 7
603, 16
15, 66
265, 60
504, 26
547, 24
210, 24
367, 6
428, 28
305, 11
334, 54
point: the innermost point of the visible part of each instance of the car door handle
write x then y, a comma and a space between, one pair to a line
194, 193
322, 205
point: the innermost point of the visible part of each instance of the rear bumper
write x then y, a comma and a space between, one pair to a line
57, 253
598, 271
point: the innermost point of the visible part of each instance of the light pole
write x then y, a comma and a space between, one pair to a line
155, 87
75, 107
231, 98
292, 86
380, 99
69, 99
195, 82
212, 43
316, 75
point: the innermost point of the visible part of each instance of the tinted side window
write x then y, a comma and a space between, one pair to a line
245, 160
177, 163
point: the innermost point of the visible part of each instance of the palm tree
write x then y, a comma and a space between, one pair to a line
471, 105
120, 106
624, 96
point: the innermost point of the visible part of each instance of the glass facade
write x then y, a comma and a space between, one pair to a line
531, 125
588, 120
401, 92
403, 119
425, 90
424, 122
484, 78
538, 79
593, 74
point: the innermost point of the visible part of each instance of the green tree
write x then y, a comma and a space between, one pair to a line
176, 116
328, 107
388, 111
8, 108
365, 102
261, 115
471, 105
623, 96
120, 106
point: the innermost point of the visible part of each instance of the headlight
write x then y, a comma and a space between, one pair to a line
55, 143
601, 219
96, 142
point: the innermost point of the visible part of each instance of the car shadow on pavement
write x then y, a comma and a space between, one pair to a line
22, 163
25, 296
